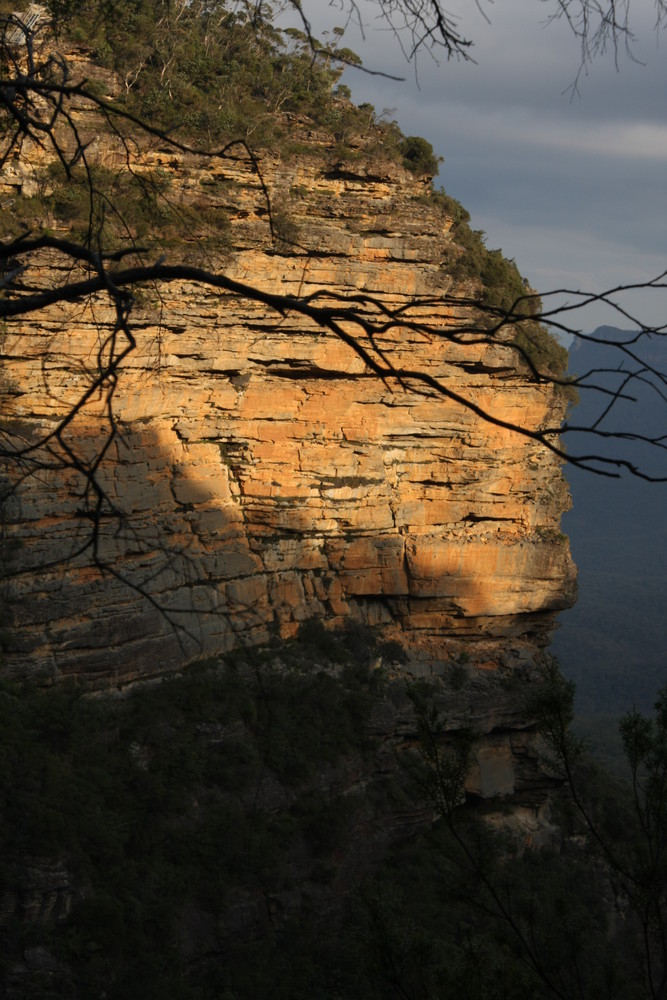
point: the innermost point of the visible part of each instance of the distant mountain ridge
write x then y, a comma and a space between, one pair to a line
612, 643
613, 360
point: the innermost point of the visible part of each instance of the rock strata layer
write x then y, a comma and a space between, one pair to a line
263, 473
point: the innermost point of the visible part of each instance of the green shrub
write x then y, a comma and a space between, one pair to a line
452, 208
285, 228
418, 155
544, 351
392, 650
317, 640
503, 290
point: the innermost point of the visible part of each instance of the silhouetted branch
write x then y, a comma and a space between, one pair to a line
358, 310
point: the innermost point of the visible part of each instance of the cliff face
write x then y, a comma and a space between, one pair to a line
264, 474
260, 474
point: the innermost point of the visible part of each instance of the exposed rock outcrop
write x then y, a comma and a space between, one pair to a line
264, 473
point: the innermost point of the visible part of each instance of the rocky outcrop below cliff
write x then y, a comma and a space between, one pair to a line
262, 474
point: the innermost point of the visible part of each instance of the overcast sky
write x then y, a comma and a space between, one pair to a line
574, 188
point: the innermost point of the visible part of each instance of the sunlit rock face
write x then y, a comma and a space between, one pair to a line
263, 473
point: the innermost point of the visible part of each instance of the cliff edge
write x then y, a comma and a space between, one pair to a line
259, 472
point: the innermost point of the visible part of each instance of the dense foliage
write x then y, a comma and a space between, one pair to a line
199, 835
214, 71
418, 155
170, 801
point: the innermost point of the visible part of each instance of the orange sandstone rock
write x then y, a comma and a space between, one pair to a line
265, 475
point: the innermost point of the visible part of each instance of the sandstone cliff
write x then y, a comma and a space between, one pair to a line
259, 475
264, 474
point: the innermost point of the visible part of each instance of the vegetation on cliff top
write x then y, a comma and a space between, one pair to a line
213, 71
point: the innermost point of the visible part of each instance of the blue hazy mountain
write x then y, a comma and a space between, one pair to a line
612, 643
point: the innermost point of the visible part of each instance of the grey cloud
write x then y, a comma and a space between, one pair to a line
569, 188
